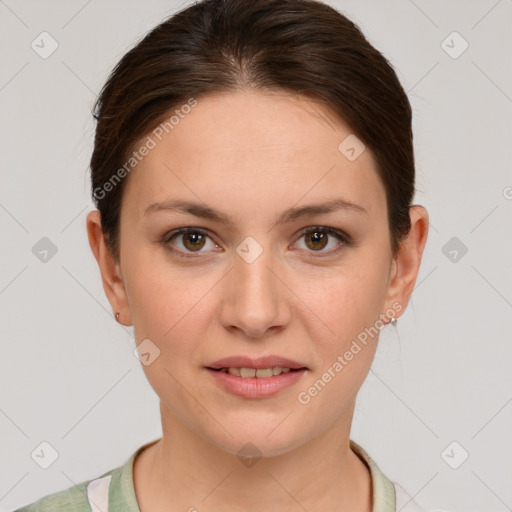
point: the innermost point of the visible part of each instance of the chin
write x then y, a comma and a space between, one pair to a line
257, 440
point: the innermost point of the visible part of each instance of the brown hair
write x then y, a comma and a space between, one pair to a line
300, 46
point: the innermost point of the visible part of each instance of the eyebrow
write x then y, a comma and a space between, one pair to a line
207, 212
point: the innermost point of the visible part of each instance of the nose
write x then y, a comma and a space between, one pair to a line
255, 299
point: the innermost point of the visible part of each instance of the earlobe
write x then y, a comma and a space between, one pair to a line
113, 284
408, 259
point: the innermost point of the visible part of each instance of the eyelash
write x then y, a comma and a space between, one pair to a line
340, 235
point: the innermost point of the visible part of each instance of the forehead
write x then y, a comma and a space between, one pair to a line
251, 149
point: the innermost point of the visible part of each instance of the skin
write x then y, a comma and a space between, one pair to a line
281, 153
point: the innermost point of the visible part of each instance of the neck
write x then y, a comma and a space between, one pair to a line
183, 471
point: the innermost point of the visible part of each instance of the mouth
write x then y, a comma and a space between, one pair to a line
247, 364
259, 373
256, 377
253, 378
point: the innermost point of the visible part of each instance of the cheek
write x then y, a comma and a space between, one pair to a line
168, 307
349, 298
349, 303
167, 303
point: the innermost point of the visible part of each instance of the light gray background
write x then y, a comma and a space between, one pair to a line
68, 375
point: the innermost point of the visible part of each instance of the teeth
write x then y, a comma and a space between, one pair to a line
247, 372
260, 373
263, 373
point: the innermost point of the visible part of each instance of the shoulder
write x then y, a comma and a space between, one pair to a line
74, 498
114, 487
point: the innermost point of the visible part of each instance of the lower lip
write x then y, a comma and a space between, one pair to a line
253, 387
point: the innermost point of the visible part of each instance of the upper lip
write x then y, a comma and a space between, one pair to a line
255, 362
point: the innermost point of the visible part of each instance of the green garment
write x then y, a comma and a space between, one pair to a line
114, 491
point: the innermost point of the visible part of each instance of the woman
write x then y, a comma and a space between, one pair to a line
253, 171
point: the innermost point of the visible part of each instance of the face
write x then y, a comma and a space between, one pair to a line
265, 277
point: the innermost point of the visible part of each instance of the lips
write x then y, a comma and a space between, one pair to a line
256, 377
255, 387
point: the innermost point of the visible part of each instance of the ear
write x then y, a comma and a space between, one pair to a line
406, 263
109, 268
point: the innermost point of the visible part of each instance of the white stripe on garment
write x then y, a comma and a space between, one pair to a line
97, 494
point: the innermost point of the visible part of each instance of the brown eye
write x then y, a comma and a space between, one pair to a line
193, 241
316, 240
186, 241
